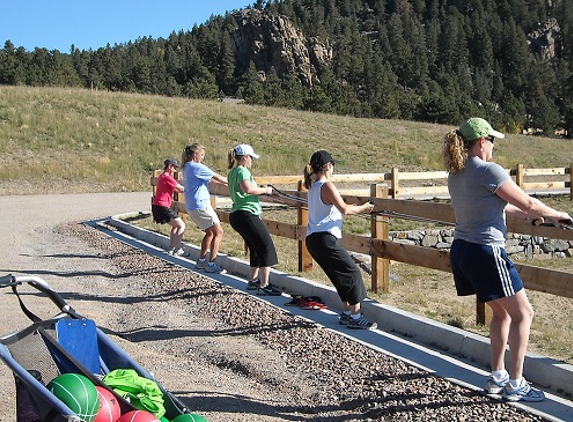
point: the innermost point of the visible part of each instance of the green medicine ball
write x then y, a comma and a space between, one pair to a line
78, 393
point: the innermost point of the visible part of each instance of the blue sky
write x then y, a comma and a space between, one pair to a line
57, 24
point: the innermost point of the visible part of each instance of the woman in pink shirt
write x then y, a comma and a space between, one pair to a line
161, 206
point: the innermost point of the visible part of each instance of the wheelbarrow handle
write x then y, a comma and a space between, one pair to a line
40, 285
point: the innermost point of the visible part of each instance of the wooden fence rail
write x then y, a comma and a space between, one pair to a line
434, 183
378, 245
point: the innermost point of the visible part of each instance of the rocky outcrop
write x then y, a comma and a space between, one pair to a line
271, 41
544, 41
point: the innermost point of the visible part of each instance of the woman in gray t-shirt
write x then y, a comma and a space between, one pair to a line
482, 193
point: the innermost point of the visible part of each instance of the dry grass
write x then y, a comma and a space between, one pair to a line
70, 140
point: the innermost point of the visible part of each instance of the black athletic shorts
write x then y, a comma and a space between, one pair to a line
162, 214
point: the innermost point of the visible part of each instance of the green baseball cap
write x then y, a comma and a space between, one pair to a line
476, 128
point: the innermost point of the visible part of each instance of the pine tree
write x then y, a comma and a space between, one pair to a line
540, 103
8, 64
251, 88
226, 67
514, 58
401, 50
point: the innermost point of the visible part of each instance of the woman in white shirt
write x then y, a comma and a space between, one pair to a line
325, 209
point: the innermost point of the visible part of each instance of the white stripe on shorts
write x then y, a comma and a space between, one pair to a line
504, 276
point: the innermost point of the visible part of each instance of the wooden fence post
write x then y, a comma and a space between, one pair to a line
394, 182
483, 313
379, 229
519, 175
179, 197
571, 182
156, 174
304, 257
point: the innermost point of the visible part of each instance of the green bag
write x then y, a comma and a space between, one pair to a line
141, 392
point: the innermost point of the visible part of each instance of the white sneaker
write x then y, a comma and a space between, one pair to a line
179, 252
524, 392
496, 387
212, 267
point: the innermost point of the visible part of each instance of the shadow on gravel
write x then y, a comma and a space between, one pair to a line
141, 272
205, 401
62, 274
84, 255
381, 408
158, 333
386, 409
66, 255
182, 294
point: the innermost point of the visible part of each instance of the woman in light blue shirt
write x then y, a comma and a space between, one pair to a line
196, 177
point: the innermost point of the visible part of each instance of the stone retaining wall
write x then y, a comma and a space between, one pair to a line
517, 246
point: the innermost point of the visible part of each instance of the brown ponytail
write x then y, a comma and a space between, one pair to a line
231, 159
308, 173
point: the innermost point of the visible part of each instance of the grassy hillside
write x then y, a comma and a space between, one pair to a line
64, 140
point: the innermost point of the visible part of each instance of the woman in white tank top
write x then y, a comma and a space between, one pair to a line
326, 208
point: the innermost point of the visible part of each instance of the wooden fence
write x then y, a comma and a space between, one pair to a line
546, 180
378, 245
434, 183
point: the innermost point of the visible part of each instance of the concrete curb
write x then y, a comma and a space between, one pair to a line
545, 372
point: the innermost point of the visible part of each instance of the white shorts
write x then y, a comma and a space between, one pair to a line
205, 217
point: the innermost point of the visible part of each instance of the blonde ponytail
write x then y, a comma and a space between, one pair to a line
454, 152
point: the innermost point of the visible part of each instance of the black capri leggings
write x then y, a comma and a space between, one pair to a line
256, 236
336, 262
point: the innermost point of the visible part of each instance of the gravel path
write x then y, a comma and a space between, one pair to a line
226, 354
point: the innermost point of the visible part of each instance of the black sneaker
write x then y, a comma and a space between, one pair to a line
361, 323
268, 290
344, 319
253, 284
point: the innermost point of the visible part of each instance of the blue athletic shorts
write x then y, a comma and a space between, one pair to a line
483, 270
